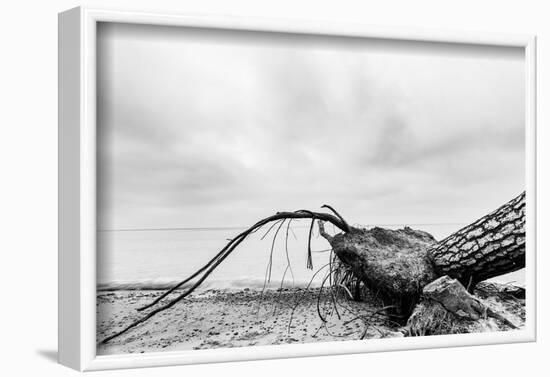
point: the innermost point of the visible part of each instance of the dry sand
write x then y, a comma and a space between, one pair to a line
216, 319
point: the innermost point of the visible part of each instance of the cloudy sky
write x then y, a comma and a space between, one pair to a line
216, 128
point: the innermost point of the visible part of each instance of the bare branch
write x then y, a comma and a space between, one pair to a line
347, 227
209, 267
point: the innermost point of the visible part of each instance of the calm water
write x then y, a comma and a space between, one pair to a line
157, 259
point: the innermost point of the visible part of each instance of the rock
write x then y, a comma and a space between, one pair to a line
452, 295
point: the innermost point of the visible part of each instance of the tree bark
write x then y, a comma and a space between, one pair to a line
489, 247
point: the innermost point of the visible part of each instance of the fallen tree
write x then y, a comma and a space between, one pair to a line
398, 265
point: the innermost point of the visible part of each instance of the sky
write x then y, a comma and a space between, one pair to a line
217, 128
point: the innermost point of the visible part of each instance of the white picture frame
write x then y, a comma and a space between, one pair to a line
77, 189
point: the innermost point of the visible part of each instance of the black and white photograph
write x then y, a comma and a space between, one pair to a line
260, 188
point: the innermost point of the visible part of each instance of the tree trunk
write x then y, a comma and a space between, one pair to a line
398, 264
491, 246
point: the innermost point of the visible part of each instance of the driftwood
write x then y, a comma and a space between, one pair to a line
398, 265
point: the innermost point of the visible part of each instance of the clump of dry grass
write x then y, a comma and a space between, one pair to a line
433, 319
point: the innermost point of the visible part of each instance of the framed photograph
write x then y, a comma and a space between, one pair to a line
237, 189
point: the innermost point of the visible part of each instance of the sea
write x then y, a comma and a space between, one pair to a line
130, 259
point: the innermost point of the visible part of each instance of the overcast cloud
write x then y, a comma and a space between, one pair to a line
206, 129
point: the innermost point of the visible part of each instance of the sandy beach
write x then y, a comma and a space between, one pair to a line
217, 318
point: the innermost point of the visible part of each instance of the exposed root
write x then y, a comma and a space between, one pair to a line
207, 269
332, 299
